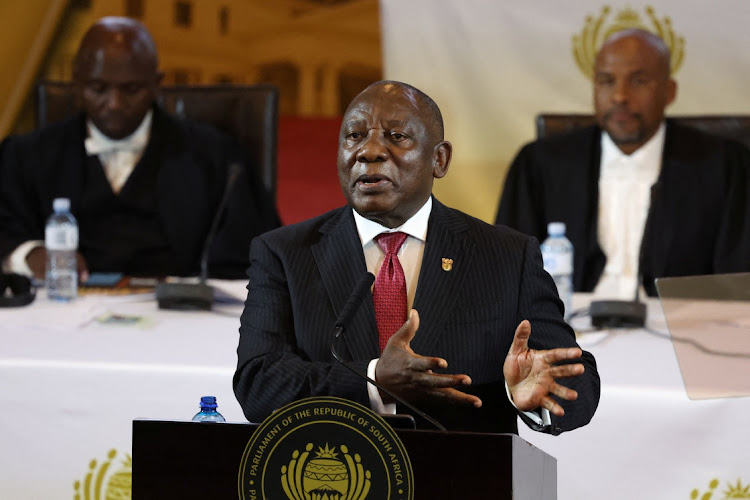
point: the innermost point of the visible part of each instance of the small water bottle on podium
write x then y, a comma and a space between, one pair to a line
61, 242
208, 411
557, 254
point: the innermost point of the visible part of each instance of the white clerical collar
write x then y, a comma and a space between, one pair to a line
98, 143
650, 151
415, 227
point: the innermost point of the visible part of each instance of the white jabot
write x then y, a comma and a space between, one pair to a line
624, 199
118, 156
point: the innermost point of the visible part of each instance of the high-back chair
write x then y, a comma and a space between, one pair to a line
734, 126
247, 112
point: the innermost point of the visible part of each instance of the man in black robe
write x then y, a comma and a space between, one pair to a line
143, 185
640, 195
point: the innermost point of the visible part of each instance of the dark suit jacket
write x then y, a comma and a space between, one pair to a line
301, 276
697, 222
192, 161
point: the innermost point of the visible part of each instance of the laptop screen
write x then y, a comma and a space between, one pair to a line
708, 318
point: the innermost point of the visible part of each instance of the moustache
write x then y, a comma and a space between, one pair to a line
609, 113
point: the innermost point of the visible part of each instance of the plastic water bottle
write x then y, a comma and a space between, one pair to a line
557, 253
61, 242
208, 411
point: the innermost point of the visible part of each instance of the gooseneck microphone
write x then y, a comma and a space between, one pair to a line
192, 296
234, 171
355, 300
345, 316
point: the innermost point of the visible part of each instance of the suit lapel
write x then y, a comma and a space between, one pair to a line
437, 288
341, 263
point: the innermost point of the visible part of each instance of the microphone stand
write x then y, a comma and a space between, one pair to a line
617, 313
621, 313
198, 296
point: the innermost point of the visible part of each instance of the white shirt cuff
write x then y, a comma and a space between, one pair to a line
376, 402
16, 261
543, 420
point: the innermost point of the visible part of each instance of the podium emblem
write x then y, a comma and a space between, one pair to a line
325, 476
325, 449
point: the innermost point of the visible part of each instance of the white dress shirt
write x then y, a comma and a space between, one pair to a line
624, 199
118, 158
410, 255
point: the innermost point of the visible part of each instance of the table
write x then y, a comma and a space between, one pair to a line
72, 385
647, 439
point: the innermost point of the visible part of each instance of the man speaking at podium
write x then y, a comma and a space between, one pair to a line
483, 314
143, 185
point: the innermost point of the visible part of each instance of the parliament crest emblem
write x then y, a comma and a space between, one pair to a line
108, 480
597, 29
325, 449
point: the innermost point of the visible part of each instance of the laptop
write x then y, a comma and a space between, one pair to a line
708, 318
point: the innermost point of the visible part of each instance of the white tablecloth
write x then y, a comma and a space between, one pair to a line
71, 387
647, 440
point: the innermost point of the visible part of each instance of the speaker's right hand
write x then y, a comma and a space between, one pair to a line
411, 376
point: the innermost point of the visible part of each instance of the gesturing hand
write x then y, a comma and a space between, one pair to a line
410, 375
531, 375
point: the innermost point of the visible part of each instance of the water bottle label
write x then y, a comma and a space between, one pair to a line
557, 264
61, 238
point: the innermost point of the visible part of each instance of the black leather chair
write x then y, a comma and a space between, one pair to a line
734, 126
247, 112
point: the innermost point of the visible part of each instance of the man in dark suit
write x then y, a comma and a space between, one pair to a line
480, 291
144, 186
639, 194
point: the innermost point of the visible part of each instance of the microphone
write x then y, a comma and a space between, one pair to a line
355, 300
345, 316
198, 296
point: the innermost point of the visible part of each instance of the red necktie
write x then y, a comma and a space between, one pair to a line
389, 291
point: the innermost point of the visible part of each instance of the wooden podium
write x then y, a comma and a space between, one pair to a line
175, 459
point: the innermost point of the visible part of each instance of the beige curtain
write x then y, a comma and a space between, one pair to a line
28, 30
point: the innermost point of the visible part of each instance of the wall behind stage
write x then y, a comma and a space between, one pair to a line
492, 66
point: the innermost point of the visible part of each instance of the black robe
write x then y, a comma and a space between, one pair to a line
699, 217
178, 183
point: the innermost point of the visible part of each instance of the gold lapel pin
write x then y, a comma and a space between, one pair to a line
447, 264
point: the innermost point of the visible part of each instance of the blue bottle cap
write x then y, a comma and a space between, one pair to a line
208, 402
